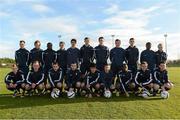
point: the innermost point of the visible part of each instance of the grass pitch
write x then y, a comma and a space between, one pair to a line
80, 108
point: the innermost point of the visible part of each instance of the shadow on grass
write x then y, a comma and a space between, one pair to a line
6, 100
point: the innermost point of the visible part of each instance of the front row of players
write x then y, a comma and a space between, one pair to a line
95, 83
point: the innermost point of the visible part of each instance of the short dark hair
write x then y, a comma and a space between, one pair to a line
117, 40
148, 43
92, 65
106, 64
55, 63
22, 41
131, 39
73, 40
61, 42
49, 43
101, 38
36, 61
86, 38
144, 62
37, 41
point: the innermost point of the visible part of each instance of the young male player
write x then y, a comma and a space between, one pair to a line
92, 81
36, 52
73, 54
62, 57
15, 80
87, 53
35, 79
101, 54
22, 58
73, 79
161, 56
161, 80
132, 56
107, 78
117, 57
143, 77
125, 79
49, 56
55, 77
149, 56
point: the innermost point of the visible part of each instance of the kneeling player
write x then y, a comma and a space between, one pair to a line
15, 80
55, 77
92, 81
107, 78
35, 79
143, 78
73, 78
125, 80
161, 79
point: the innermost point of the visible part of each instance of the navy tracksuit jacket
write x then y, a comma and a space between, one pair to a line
150, 57
87, 53
132, 56
101, 56
22, 60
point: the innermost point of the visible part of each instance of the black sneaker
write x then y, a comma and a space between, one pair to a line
15, 94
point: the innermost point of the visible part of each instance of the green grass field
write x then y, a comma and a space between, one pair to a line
116, 107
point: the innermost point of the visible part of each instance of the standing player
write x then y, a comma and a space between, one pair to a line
117, 57
132, 56
149, 56
15, 80
101, 54
55, 77
35, 79
92, 81
62, 57
22, 58
86, 56
161, 56
143, 77
73, 79
36, 52
73, 54
49, 56
161, 80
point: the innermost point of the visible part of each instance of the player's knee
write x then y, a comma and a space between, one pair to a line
27, 87
82, 85
47, 86
78, 84
168, 86
150, 85
59, 85
97, 86
156, 86
23, 85
40, 86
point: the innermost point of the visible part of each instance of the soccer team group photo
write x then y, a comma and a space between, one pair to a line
86, 71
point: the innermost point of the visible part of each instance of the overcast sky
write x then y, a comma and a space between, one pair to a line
145, 20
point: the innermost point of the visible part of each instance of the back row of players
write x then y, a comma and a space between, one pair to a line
49, 68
